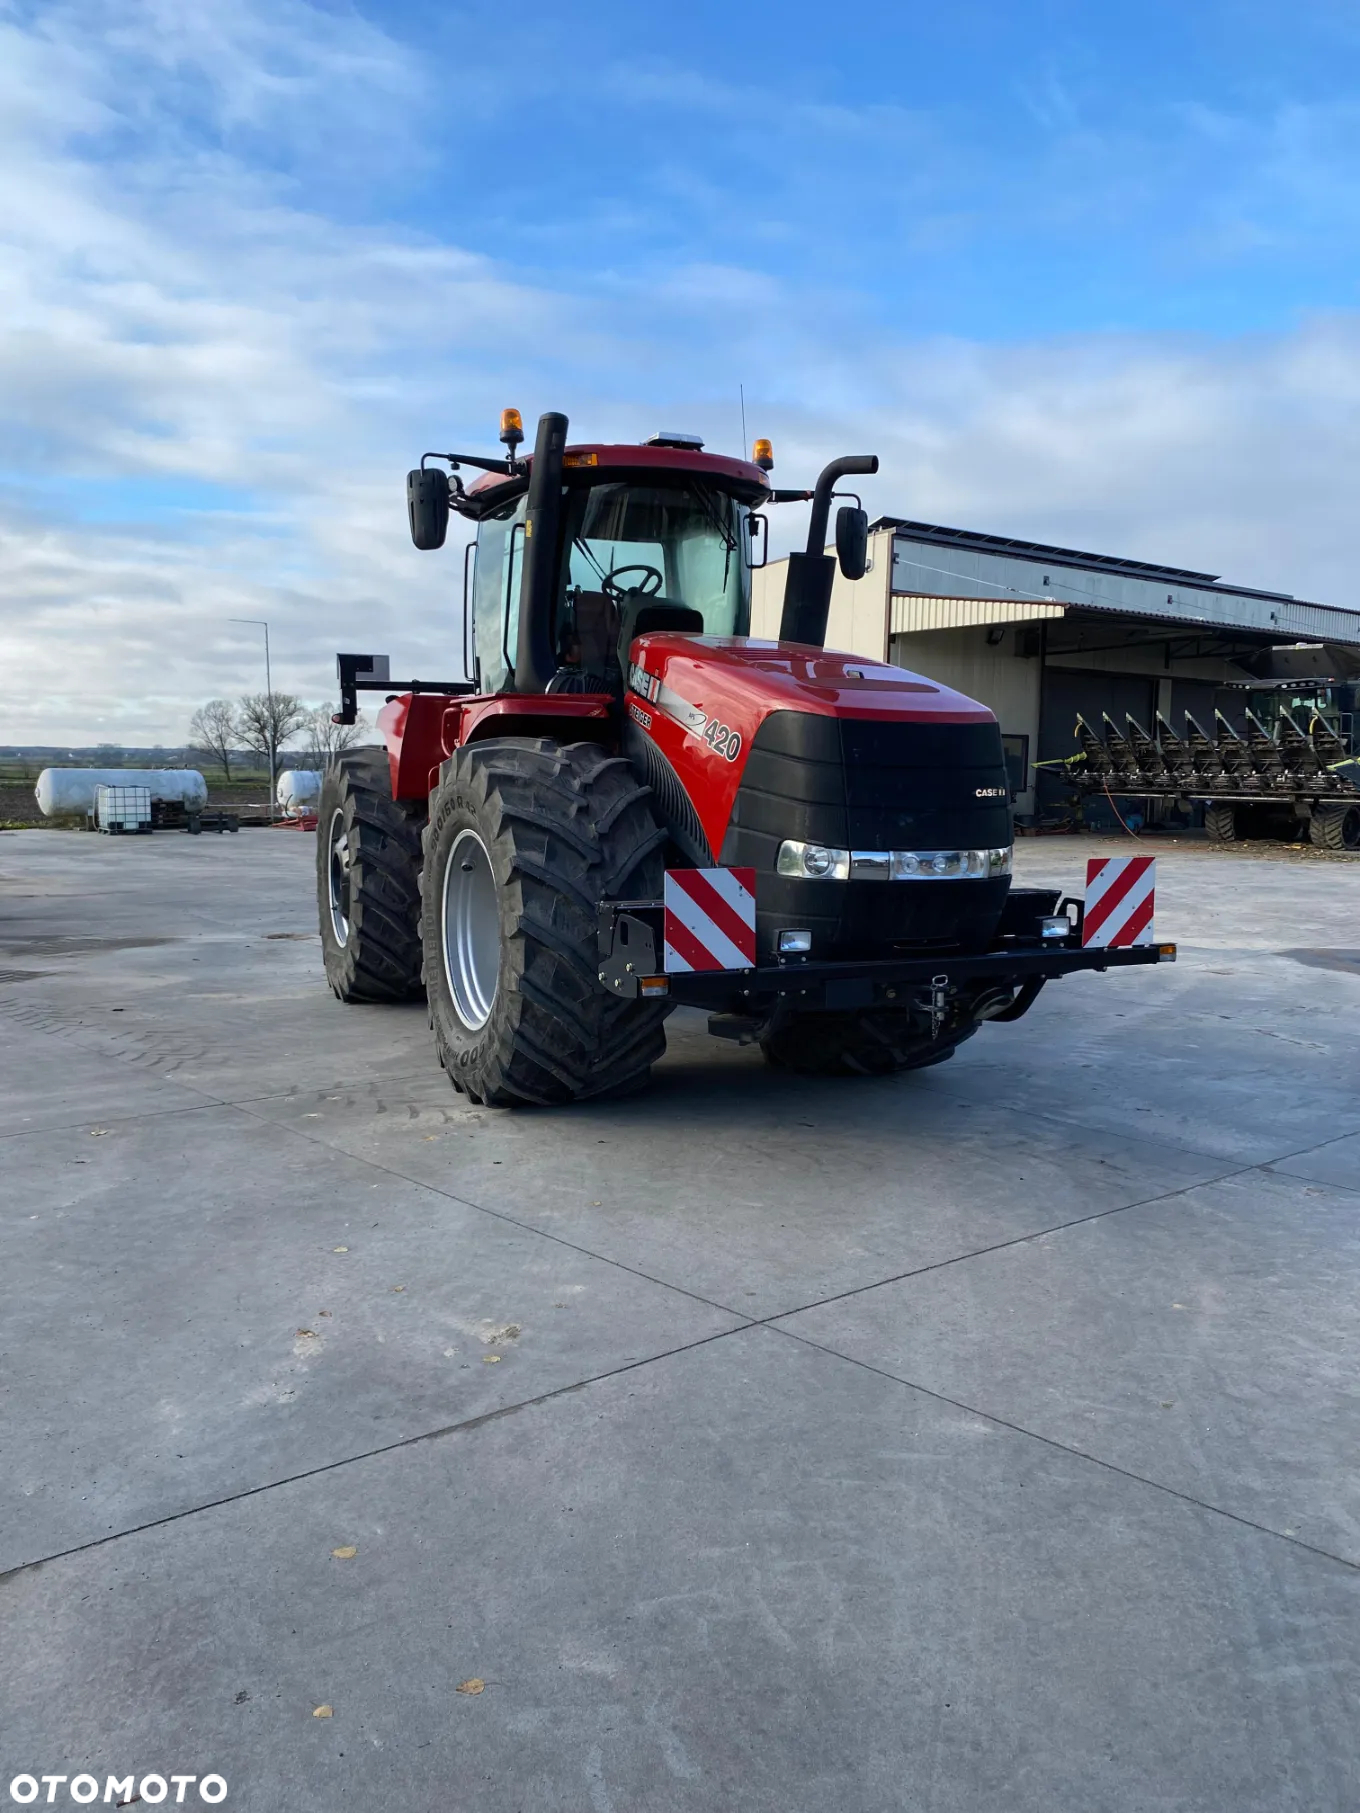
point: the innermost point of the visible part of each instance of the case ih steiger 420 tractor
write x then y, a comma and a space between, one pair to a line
633, 805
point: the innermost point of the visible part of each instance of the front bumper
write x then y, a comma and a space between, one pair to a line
630, 965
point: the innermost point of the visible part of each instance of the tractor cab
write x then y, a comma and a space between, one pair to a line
650, 537
667, 550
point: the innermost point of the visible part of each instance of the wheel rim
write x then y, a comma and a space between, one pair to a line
472, 930
339, 867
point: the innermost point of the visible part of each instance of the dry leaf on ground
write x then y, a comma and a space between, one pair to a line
345, 1554
472, 1686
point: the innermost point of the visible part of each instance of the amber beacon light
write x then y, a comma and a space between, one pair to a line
512, 429
763, 455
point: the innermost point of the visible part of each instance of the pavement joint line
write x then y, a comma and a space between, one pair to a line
1000, 1246
1268, 1164
1049, 1441
961, 1095
527, 1227
114, 1120
466, 1427
470, 1424
816, 1302
1315, 1183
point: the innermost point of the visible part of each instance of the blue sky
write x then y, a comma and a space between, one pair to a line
1078, 272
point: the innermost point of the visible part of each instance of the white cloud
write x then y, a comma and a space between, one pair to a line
182, 312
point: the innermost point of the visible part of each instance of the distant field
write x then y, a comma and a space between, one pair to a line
248, 790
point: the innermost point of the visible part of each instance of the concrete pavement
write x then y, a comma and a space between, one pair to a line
983, 1438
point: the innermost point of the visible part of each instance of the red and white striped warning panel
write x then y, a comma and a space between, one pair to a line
710, 919
1119, 896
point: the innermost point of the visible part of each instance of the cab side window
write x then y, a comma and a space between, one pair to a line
496, 571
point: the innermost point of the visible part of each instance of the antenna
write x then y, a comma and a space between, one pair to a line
741, 392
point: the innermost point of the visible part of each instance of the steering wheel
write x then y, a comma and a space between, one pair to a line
650, 584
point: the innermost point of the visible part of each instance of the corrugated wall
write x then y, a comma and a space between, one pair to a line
916, 613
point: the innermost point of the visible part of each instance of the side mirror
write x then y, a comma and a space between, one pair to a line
757, 540
852, 541
427, 505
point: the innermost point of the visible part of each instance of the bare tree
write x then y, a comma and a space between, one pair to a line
326, 739
268, 720
213, 730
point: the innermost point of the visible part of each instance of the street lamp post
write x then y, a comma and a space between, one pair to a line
260, 623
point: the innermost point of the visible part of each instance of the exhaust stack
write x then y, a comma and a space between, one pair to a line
807, 589
535, 663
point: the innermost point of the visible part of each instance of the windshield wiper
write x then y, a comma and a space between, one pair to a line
589, 553
708, 503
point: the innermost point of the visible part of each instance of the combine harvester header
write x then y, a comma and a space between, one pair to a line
1251, 782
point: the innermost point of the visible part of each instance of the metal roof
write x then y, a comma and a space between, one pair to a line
978, 543
992, 565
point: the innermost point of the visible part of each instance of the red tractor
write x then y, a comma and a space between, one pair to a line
633, 805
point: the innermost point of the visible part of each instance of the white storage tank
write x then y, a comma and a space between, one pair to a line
298, 791
69, 792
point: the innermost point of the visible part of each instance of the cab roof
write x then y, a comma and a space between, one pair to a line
594, 461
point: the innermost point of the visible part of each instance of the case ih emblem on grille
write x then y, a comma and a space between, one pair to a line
710, 919
1119, 897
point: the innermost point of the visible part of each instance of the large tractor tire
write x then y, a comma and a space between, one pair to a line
368, 881
1221, 824
862, 1044
526, 837
1335, 827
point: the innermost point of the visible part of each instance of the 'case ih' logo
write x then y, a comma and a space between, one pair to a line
641, 682
989, 793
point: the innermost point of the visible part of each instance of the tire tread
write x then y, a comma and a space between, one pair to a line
381, 962
570, 826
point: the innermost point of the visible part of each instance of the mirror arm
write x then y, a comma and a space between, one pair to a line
511, 468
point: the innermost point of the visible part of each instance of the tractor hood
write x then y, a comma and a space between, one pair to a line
751, 678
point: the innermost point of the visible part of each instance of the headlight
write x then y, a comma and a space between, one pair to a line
820, 862
813, 862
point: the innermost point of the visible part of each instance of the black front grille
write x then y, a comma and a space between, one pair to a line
871, 785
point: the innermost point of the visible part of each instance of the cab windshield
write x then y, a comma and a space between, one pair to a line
672, 544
